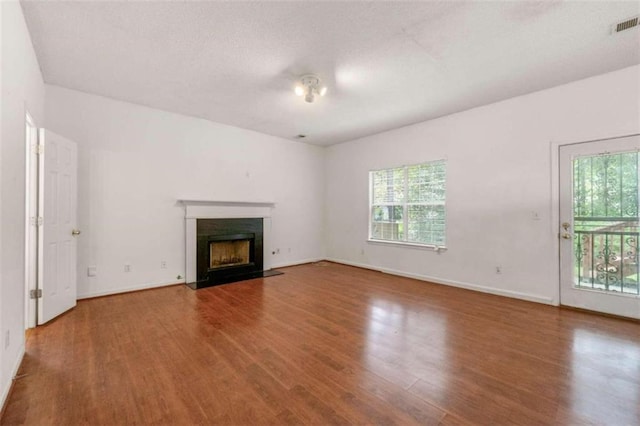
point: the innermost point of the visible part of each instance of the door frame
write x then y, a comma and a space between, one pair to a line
31, 220
555, 199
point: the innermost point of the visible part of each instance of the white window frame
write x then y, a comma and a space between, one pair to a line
405, 205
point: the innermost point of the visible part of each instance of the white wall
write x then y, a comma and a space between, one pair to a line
498, 175
135, 162
22, 89
3, 382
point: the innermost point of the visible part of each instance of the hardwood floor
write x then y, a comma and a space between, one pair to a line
327, 344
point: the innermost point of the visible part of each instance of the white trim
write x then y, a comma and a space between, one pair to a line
439, 160
554, 230
459, 284
191, 227
129, 289
212, 209
475, 287
607, 293
227, 211
167, 284
226, 203
14, 372
298, 262
430, 247
30, 230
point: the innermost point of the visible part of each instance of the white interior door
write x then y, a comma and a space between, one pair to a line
57, 240
599, 229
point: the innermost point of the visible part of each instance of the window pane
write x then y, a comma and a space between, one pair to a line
388, 186
426, 224
426, 183
606, 223
387, 223
408, 203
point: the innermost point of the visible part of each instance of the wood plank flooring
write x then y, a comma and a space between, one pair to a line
327, 344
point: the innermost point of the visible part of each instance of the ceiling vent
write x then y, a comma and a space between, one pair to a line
625, 25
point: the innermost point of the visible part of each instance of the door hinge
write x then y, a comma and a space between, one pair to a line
38, 149
36, 221
35, 294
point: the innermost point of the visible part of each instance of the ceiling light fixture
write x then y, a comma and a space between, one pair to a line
310, 86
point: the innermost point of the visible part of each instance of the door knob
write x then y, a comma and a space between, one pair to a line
567, 236
566, 226
75, 232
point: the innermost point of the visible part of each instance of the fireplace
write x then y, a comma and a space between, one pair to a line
228, 249
226, 241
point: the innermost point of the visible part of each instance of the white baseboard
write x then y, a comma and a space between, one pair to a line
296, 262
164, 284
6, 387
484, 289
128, 289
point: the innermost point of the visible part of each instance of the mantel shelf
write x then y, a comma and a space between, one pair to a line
204, 202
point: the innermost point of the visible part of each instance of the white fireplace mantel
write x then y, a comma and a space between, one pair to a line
214, 209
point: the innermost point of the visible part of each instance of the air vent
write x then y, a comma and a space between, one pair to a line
625, 25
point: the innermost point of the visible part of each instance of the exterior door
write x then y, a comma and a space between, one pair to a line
57, 240
599, 232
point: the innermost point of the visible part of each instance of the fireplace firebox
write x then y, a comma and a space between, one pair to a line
228, 250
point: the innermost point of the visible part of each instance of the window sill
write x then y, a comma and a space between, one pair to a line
429, 247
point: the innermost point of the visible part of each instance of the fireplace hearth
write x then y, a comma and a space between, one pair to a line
228, 250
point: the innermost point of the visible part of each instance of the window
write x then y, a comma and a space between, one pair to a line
407, 204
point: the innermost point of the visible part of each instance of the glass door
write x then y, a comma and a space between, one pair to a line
599, 229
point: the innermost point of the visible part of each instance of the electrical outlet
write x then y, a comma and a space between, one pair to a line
127, 267
163, 264
7, 339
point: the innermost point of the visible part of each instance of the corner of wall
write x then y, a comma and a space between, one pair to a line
325, 203
22, 86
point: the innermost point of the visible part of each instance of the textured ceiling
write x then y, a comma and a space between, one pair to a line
386, 64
